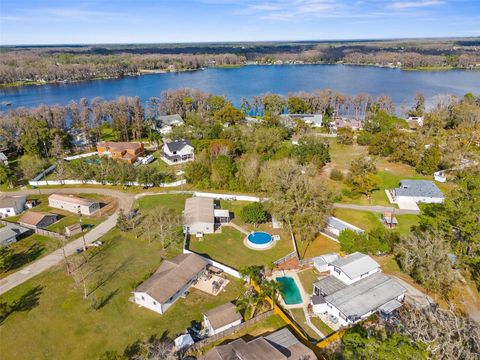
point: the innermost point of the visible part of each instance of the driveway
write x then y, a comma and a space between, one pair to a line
125, 201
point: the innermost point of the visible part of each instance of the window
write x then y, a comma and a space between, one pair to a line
143, 298
154, 302
337, 271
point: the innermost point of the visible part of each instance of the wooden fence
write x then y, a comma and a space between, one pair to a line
211, 339
43, 232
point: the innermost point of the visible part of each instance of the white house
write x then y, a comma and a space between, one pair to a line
221, 318
201, 217
12, 205
73, 204
355, 289
314, 120
171, 280
165, 123
412, 192
177, 152
321, 262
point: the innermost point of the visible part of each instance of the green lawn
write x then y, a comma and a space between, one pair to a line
308, 277
299, 317
228, 248
320, 325
405, 222
321, 245
54, 317
342, 155
170, 201
365, 220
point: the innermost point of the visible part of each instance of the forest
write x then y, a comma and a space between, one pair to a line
37, 65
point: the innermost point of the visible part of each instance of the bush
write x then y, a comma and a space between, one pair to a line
379, 240
336, 175
345, 136
254, 213
364, 138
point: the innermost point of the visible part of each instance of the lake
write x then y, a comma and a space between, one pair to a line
249, 81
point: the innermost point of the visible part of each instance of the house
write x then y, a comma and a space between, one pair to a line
11, 205
314, 120
412, 192
11, 232
37, 220
3, 158
280, 345
321, 262
73, 229
343, 122
221, 318
177, 152
127, 151
165, 123
73, 204
335, 226
414, 122
355, 289
171, 280
201, 217
389, 219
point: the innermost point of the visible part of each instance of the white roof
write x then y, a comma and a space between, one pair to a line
183, 341
355, 264
221, 213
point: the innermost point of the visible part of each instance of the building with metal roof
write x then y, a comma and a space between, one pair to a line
201, 217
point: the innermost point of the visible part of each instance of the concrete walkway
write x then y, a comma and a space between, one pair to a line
310, 324
238, 227
375, 208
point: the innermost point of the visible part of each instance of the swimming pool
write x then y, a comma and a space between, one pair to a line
260, 240
289, 290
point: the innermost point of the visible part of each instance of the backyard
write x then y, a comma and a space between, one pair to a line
321, 245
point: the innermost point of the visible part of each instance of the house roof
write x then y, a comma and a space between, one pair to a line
119, 146
17, 229
223, 315
199, 209
366, 295
177, 145
171, 276
74, 227
3, 157
325, 259
341, 225
355, 264
329, 285
279, 345
6, 233
34, 217
314, 118
418, 188
72, 199
169, 119
8, 201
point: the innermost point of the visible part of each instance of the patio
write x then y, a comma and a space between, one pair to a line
211, 284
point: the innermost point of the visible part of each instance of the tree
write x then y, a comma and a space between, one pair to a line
345, 136
424, 255
271, 288
122, 221
266, 141
31, 165
430, 160
162, 225
362, 176
7, 175
254, 213
378, 240
248, 304
312, 149
336, 175
419, 105
223, 171
228, 113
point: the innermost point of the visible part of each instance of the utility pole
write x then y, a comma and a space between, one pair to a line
81, 228
65, 257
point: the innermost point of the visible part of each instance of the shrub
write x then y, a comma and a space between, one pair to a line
254, 213
336, 175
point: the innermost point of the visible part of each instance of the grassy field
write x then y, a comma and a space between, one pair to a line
50, 307
227, 247
308, 277
170, 201
321, 245
365, 220
320, 325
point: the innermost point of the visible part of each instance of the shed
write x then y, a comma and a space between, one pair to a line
73, 229
221, 318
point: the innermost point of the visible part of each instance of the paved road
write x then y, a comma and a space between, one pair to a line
375, 208
124, 200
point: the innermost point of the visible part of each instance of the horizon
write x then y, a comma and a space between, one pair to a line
30, 23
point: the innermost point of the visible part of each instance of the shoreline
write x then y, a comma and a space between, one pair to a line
142, 72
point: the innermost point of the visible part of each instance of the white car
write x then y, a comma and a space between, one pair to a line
147, 159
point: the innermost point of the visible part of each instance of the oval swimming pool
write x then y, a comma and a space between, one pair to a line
260, 240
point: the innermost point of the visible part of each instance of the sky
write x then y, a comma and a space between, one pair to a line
170, 21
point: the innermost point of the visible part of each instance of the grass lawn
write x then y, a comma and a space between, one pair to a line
299, 317
342, 155
365, 220
405, 222
308, 277
170, 201
227, 247
321, 245
320, 325
54, 317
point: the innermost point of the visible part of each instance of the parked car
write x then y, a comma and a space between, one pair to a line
147, 159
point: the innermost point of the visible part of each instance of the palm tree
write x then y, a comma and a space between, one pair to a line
248, 305
252, 272
271, 288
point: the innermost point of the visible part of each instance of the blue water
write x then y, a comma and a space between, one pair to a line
260, 238
249, 81
289, 290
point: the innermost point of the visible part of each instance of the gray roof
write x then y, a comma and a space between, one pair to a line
366, 295
325, 259
8, 201
177, 145
355, 264
169, 119
317, 299
9, 230
199, 209
285, 342
3, 157
416, 188
341, 225
329, 285
223, 315
172, 276
6, 233
390, 306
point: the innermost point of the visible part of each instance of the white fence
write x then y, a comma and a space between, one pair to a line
39, 182
225, 268
74, 157
228, 196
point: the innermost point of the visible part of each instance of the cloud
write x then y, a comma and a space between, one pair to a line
400, 5
290, 9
